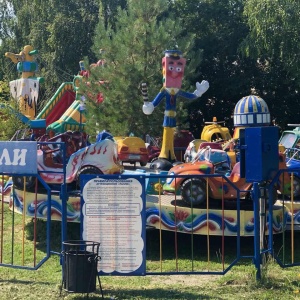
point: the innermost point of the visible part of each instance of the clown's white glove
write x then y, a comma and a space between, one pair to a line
201, 88
148, 108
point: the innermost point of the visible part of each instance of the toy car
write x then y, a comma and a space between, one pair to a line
293, 162
132, 149
153, 152
98, 158
193, 147
290, 138
182, 138
153, 147
212, 162
74, 140
214, 132
193, 190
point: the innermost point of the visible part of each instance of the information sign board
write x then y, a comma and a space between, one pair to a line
113, 213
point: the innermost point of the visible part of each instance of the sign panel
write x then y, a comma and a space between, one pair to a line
113, 213
18, 157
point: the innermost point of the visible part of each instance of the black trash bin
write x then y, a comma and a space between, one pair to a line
80, 260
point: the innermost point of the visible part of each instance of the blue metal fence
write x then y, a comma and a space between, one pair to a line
183, 239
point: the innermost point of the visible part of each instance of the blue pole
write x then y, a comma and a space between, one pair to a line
257, 257
270, 216
64, 199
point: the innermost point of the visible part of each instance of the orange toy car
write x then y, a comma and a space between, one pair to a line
207, 162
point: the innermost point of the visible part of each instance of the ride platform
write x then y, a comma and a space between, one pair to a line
293, 213
165, 212
168, 213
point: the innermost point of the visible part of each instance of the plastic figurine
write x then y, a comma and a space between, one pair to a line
25, 90
173, 69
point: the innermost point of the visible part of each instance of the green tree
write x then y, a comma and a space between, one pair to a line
220, 29
61, 31
9, 110
108, 10
4, 91
274, 33
273, 41
134, 47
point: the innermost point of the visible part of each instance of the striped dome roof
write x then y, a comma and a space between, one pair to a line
251, 111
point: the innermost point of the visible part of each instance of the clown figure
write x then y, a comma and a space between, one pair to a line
173, 69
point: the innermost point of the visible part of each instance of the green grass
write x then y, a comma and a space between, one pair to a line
196, 252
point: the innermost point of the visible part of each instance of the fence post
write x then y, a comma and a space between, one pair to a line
257, 256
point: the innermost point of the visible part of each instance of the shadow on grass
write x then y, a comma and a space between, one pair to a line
17, 281
285, 246
153, 293
196, 246
39, 231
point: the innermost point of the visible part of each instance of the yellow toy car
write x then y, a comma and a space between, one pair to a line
132, 149
214, 132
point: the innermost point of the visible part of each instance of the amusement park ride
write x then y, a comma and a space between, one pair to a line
187, 213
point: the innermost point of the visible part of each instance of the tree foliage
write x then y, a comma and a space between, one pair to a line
240, 47
222, 30
4, 91
219, 29
274, 32
61, 31
9, 110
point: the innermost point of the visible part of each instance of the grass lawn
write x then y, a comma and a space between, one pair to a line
240, 282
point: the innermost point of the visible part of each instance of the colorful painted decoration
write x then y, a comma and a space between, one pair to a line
26, 89
251, 111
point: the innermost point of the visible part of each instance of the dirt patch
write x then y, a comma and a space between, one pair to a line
186, 280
